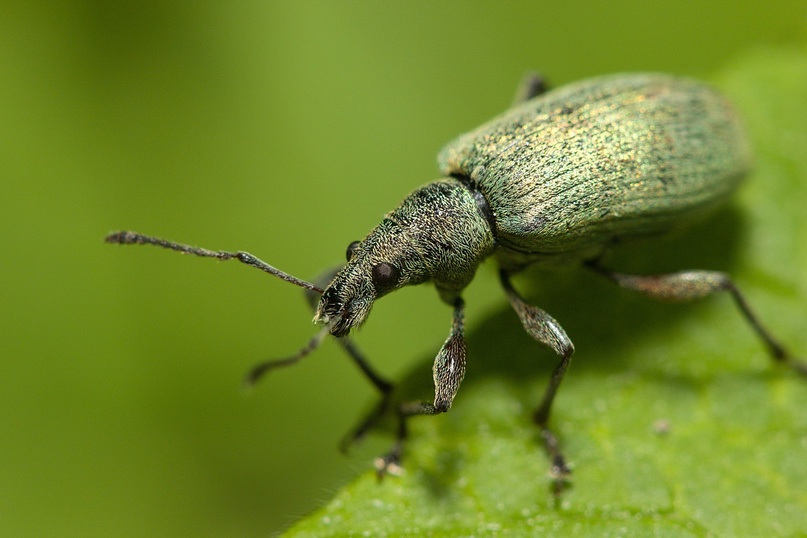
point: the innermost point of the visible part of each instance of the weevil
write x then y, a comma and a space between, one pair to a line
557, 179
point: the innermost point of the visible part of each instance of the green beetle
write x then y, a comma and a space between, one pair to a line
558, 178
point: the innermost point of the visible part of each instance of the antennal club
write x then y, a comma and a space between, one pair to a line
135, 238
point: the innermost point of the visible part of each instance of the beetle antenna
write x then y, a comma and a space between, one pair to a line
134, 238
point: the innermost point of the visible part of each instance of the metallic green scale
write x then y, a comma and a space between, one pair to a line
568, 171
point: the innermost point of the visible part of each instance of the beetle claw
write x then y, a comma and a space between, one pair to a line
389, 463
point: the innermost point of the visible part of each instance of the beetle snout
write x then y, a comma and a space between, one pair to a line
335, 312
339, 319
340, 312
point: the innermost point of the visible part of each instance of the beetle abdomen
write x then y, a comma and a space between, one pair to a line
617, 156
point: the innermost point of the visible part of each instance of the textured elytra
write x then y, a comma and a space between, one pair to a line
610, 157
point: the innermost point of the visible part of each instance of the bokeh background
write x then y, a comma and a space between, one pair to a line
283, 128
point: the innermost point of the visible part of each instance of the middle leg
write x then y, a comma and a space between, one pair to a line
543, 328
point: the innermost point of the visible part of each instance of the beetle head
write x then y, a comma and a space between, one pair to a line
384, 261
437, 233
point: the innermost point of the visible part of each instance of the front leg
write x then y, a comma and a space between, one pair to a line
449, 370
543, 327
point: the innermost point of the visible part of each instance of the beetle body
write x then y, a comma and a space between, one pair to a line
557, 178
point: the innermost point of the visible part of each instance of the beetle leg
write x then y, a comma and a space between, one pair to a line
378, 412
449, 370
259, 370
382, 385
543, 328
532, 85
691, 285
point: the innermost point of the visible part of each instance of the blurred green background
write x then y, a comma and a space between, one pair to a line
283, 128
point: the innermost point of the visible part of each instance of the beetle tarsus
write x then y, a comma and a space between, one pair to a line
559, 468
389, 463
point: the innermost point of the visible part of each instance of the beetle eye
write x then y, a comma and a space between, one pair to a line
351, 249
385, 276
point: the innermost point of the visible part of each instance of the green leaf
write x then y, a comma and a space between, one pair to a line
674, 418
